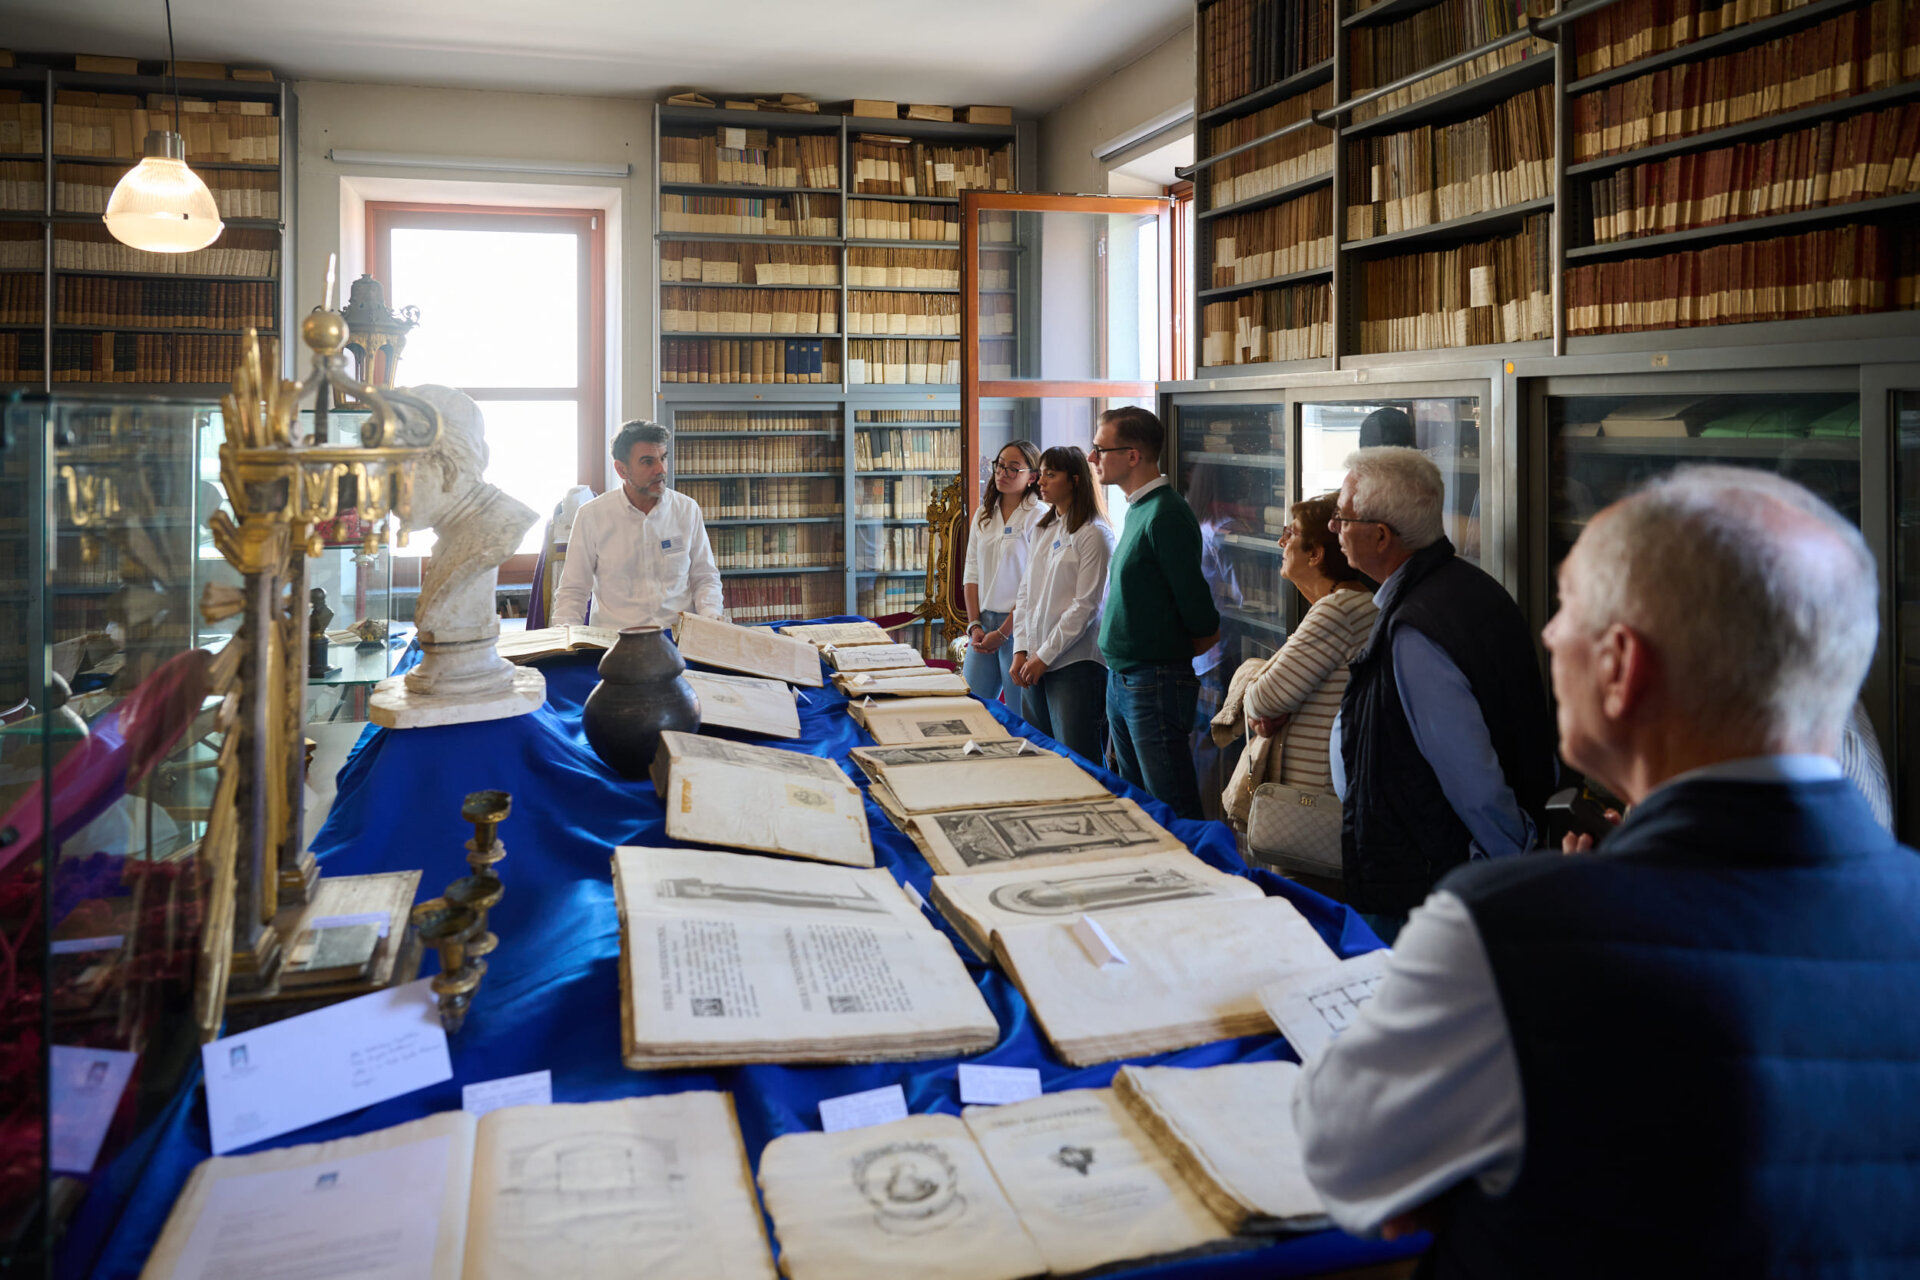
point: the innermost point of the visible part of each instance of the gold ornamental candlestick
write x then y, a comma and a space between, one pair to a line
450, 929
482, 890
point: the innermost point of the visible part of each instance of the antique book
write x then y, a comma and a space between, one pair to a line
765, 798
656, 1186
747, 703
1229, 1131
909, 720
932, 682
1191, 974
839, 634
753, 651
876, 657
727, 958
929, 777
1090, 1186
1042, 835
1315, 1005
910, 1198
545, 642
976, 905
335, 953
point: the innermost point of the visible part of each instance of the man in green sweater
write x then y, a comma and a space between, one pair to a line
1159, 613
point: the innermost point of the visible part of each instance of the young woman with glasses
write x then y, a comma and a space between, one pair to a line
997, 550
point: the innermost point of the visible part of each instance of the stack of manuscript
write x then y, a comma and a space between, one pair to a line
926, 720
747, 703
656, 1186
753, 651
546, 642
965, 841
765, 798
979, 905
930, 777
726, 958
873, 658
913, 682
1183, 975
839, 634
1229, 1131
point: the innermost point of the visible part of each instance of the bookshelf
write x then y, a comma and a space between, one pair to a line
76, 306
1415, 179
811, 310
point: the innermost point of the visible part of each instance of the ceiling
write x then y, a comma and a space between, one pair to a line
1028, 54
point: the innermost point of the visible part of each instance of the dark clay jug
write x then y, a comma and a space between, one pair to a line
643, 691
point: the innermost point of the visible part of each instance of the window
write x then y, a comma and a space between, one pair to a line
511, 312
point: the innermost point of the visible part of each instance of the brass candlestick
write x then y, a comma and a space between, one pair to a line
450, 929
456, 925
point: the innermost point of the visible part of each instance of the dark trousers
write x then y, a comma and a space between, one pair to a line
1149, 714
1069, 705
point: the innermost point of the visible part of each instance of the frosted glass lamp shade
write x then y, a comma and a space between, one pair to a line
161, 205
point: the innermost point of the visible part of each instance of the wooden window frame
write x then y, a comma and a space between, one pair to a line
1180, 281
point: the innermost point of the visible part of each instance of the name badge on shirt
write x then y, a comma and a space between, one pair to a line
1008, 529
1056, 544
673, 544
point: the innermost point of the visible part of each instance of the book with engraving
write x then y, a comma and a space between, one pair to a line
656, 1186
933, 776
896, 722
747, 703
976, 905
741, 796
752, 651
1192, 974
913, 682
839, 634
728, 958
965, 841
546, 642
890, 658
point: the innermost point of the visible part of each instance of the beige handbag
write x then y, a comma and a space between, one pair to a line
1294, 830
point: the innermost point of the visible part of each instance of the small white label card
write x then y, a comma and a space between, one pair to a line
913, 894
380, 918
1026, 745
1099, 946
290, 1074
862, 678
997, 1086
85, 1091
971, 749
534, 1089
858, 1110
734, 139
943, 173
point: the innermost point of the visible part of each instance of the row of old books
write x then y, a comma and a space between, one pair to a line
899, 220
1437, 173
1498, 290
996, 315
805, 595
894, 549
802, 215
1863, 157
754, 420
996, 270
865, 417
1275, 241
1629, 30
697, 310
1304, 153
1379, 55
139, 357
776, 546
237, 193
997, 358
164, 304
902, 361
20, 125
897, 498
1250, 44
22, 245
238, 252
1294, 322
923, 314
700, 262
23, 357
1847, 54
751, 158
716, 360
907, 449
889, 165
769, 454
116, 124
759, 498
903, 268
22, 299
22, 185
996, 226
880, 597
1849, 270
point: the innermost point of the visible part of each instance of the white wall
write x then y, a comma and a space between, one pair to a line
1156, 82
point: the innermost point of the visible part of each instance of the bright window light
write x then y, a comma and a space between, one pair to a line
497, 308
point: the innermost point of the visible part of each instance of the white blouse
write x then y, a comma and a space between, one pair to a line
997, 553
1058, 615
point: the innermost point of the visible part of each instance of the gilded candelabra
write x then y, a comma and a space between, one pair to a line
455, 925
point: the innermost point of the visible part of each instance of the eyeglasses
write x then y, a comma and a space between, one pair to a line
1095, 452
1288, 534
1009, 468
1336, 520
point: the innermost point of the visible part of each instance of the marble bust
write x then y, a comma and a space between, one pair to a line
461, 676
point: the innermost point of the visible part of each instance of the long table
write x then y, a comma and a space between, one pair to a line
551, 994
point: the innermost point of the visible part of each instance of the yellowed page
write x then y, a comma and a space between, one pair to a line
994, 839
909, 720
754, 651
749, 797
839, 634
748, 703
974, 781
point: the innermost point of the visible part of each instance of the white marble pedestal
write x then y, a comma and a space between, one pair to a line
396, 706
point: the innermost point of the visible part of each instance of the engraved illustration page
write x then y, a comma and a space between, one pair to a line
930, 683
706, 882
754, 651
545, 642
748, 703
876, 657
1229, 1130
656, 1186
975, 781
748, 797
910, 720
1312, 1008
910, 1198
1092, 1189
995, 839
840, 634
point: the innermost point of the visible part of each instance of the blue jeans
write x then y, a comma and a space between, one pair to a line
1150, 714
1070, 706
988, 674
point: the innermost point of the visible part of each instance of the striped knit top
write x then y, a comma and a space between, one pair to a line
1305, 679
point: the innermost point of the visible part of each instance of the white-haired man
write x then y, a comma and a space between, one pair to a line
1695, 1052
1443, 748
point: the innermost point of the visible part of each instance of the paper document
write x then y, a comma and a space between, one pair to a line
858, 1110
1314, 1006
534, 1089
997, 1086
84, 1090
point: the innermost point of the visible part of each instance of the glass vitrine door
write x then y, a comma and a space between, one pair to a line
1903, 421
1442, 422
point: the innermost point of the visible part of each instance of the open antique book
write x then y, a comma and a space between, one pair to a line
753, 651
731, 958
897, 721
839, 634
546, 642
889, 658
656, 1186
928, 777
917, 682
964, 841
767, 798
747, 703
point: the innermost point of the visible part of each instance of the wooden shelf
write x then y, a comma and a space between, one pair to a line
1473, 226
1853, 211
1747, 33
1279, 195
1311, 78
1297, 277
1460, 101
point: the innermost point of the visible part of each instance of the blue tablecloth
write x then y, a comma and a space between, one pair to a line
551, 994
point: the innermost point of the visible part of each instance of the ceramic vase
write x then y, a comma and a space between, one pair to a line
643, 691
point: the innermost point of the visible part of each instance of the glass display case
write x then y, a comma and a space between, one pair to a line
106, 779
1904, 415
901, 458
1444, 427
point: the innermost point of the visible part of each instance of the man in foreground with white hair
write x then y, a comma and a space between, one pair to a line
1443, 748
1695, 1052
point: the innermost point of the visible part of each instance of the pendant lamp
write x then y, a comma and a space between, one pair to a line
161, 205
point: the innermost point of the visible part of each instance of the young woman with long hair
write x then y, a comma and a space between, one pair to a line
1056, 657
997, 549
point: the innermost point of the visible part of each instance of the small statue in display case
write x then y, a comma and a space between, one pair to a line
317, 620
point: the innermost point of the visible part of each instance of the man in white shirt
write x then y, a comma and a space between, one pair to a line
641, 550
